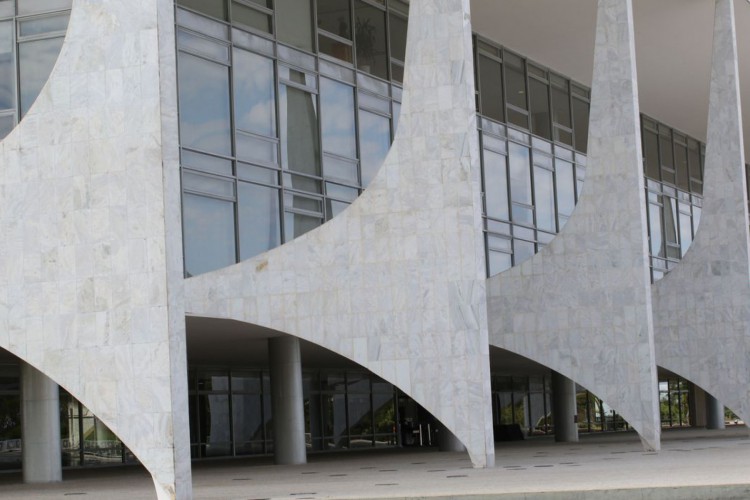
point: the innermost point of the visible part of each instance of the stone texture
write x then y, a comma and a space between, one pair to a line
396, 282
40, 422
582, 306
84, 261
702, 307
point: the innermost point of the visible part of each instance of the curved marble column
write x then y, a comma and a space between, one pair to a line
582, 306
702, 307
396, 282
87, 257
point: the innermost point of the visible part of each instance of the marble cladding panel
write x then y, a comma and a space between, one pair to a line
702, 308
84, 295
396, 282
582, 306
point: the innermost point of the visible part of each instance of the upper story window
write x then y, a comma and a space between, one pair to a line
31, 36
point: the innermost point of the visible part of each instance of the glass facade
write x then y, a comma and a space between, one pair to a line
523, 401
231, 415
31, 35
533, 126
287, 109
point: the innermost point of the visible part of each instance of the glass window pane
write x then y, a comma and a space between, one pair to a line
7, 67
298, 224
36, 60
686, 233
654, 225
335, 48
337, 109
7, 122
491, 88
398, 36
375, 141
560, 106
360, 420
294, 23
41, 25
204, 105
670, 220
369, 39
248, 424
7, 8
515, 80
259, 219
208, 234
254, 93
565, 178
38, 6
544, 199
498, 262
540, 119
581, 124
522, 251
299, 131
214, 8
247, 16
681, 167
496, 185
213, 410
651, 154
520, 174
335, 18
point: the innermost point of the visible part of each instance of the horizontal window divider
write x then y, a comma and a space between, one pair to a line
254, 6
298, 86
209, 195
336, 38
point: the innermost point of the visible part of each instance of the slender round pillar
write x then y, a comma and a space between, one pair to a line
564, 409
287, 401
714, 413
40, 427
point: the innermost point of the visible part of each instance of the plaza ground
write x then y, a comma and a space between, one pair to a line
693, 464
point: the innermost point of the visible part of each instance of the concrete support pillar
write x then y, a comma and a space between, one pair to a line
697, 407
287, 401
447, 441
564, 408
40, 427
714, 413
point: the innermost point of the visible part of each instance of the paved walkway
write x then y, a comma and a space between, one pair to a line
693, 464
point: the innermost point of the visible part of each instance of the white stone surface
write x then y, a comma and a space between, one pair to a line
582, 306
396, 282
84, 260
40, 424
702, 307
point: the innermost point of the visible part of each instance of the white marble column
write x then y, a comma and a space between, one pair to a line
582, 305
714, 413
702, 307
40, 427
564, 408
287, 401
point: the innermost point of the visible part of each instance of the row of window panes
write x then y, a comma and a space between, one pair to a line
672, 157
367, 34
305, 142
519, 92
674, 402
230, 412
594, 415
31, 35
523, 401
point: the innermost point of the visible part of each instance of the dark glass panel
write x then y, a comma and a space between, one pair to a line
369, 39
7, 68
204, 105
38, 6
334, 17
360, 420
651, 154
333, 410
213, 411
337, 117
259, 220
655, 228
398, 36
35, 61
515, 80
544, 200
518, 118
294, 23
520, 173
299, 131
70, 432
385, 413
496, 185
209, 234
540, 119
251, 18
681, 167
374, 143
561, 104
247, 418
491, 88
214, 8
254, 93
581, 124
335, 48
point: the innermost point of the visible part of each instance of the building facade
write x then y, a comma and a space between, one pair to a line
280, 227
